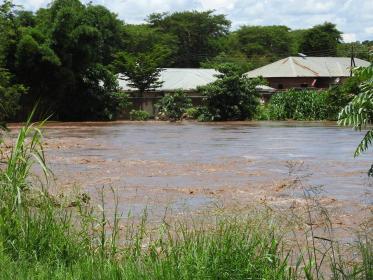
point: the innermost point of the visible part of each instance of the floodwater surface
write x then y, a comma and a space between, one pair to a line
160, 163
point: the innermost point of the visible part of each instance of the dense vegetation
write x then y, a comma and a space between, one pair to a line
65, 56
231, 97
299, 105
312, 104
173, 105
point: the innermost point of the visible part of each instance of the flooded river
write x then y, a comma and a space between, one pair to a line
173, 164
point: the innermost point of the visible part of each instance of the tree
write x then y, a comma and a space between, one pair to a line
173, 105
197, 34
360, 50
232, 96
141, 70
62, 55
269, 42
359, 112
321, 40
10, 95
10, 92
143, 38
237, 58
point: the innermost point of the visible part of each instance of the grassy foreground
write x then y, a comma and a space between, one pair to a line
42, 237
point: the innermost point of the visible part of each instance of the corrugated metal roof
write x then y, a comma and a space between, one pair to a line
307, 67
179, 78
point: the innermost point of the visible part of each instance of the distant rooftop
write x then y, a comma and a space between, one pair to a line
179, 78
307, 67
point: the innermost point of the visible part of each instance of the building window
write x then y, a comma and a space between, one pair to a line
280, 86
304, 85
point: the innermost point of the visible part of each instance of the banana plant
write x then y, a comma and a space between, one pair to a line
359, 112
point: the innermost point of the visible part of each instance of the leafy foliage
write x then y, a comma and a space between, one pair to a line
197, 34
232, 96
360, 49
139, 115
173, 105
299, 105
144, 38
340, 95
192, 113
55, 54
142, 70
264, 44
321, 39
359, 112
9, 97
237, 58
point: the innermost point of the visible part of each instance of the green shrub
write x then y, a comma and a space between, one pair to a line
299, 105
173, 105
340, 95
139, 115
231, 97
262, 113
192, 113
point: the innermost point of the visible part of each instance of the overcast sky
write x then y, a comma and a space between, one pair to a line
353, 17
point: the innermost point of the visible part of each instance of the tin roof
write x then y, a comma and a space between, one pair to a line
307, 67
179, 78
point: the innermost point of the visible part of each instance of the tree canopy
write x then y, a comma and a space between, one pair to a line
68, 54
197, 34
320, 40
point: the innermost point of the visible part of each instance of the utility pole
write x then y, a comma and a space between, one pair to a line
352, 60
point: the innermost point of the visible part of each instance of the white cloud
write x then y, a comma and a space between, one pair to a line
353, 17
221, 5
369, 30
349, 37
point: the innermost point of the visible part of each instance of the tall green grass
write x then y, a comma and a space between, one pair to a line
43, 237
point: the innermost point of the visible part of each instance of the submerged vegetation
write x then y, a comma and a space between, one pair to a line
139, 115
173, 105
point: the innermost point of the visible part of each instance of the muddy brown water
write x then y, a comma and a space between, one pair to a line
160, 164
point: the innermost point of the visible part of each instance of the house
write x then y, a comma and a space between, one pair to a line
186, 79
304, 72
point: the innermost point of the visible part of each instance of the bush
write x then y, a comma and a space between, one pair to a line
340, 95
232, 96
139, 115
262, 113
173, 105
299, 105
192, 113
